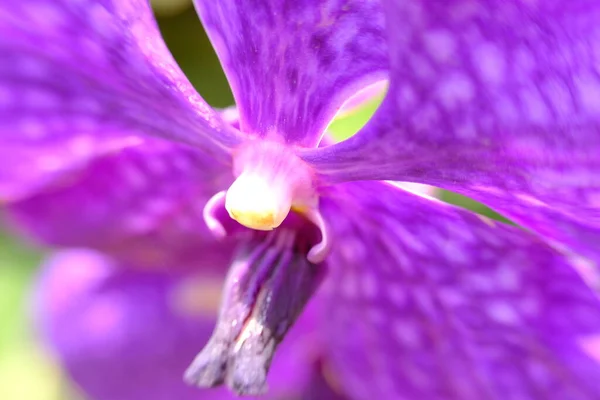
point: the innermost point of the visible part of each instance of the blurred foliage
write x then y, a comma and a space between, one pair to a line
25, 372
169, 8
191, 48
344, 127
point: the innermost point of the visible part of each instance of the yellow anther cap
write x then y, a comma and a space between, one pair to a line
257, 203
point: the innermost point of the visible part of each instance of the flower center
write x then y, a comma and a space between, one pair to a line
271, 180
277, 268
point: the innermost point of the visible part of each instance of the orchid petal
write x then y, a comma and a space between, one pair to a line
497, 100
78, 78
127, 334
292, 64
143, 203
430, 301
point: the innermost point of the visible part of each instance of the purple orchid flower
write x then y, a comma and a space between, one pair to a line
106, 147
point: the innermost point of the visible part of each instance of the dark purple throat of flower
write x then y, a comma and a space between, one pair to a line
275, 271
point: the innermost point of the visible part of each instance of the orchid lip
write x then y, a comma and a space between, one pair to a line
269, 283
272, 277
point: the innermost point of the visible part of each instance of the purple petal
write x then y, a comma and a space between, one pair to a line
80, 78
124, 334
291, 64
498, 100
143, 203
433, 302
320, 387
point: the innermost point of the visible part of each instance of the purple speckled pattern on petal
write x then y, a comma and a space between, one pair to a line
79, 78
498, 100
292, 63
142, 203
428, 301
126, 334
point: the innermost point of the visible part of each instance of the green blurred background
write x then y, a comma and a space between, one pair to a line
26, 372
